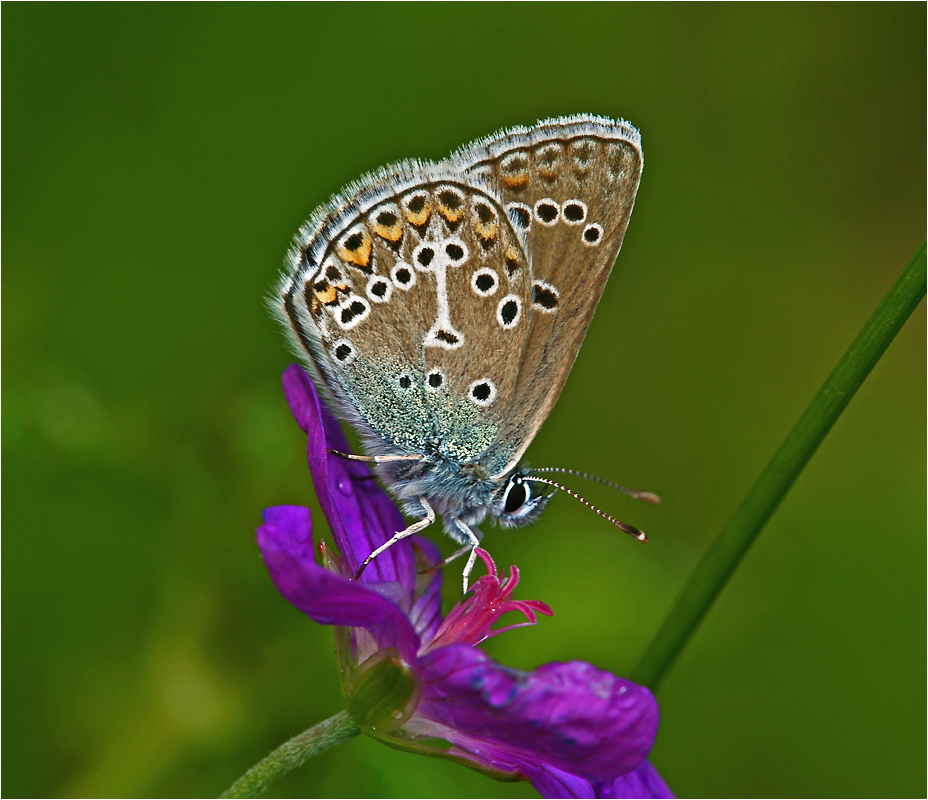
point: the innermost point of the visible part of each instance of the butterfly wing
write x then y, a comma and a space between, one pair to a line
410, 296
569, 184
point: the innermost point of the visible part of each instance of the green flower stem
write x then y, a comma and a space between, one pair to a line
294, 753
718, 564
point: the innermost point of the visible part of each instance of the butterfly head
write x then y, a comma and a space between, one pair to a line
520, 501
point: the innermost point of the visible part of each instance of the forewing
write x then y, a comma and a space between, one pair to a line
570, 185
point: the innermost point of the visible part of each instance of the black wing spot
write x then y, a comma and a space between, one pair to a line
343, 352
485, 282
544, 297
450, 200
573, 212
436, 379
403, 276
351, 311
445, 336
426, 254
455, 252
591, 234
508, 312
547, 212
354, 241
481, 391
379, 288
404, 381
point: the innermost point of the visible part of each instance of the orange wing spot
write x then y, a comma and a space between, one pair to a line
419, 217
485, 231
450, 205
452, 215
485, 222
517, 181
392, 233
513, 262
357, 252
326, 295
387, 225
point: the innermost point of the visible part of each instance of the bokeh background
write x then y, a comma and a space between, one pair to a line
156, 162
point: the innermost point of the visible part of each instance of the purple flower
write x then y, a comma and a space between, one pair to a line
411, 677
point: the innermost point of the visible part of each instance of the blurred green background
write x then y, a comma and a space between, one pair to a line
156, 161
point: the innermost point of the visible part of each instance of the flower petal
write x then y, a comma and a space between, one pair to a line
643, 782
550, 782
425, 613
285, 541
361, 515
573, 717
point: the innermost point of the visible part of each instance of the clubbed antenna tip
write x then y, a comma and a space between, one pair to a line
622, 526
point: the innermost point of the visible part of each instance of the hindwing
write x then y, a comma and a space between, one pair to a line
411, 297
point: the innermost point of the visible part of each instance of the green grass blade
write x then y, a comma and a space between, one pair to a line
721, 560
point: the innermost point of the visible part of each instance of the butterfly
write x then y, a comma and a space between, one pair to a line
440, 307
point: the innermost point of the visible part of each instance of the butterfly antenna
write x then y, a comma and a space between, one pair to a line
631, 531
647, 497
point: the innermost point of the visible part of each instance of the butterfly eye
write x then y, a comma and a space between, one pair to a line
516, 496
519, 504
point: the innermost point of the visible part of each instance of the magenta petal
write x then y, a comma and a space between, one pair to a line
285, 541
425, 613
573, 717
550, 782
361, 515
642, 782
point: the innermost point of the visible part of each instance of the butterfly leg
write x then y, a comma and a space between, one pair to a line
446, 561
412, 529
372, 459
473, 543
